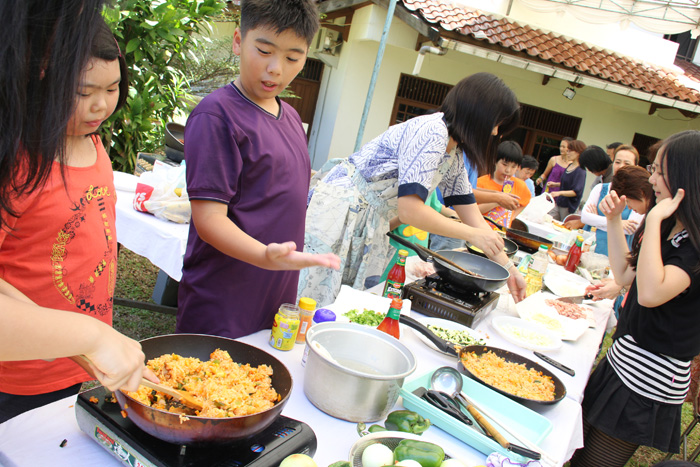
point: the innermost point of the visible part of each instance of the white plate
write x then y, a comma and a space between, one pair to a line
352, 299
564, 283
511, 329
535, 309
447, 324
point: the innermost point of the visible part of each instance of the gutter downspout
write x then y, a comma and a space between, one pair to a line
375, 72
421, 55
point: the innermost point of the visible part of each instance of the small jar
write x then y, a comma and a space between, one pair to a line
285, 327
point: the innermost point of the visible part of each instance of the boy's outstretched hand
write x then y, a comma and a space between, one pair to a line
283, 256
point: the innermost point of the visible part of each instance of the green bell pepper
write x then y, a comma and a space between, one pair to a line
341, 464
406, 421
426, 454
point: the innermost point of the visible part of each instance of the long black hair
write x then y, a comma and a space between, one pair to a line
472, 108
44, 47
680, 153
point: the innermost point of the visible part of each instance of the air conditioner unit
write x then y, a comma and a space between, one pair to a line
328, 41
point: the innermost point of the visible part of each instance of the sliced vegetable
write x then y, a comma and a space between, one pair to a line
406, 421
366, 317
456, 336
426, 454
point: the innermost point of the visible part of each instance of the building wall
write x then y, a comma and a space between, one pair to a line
606, 116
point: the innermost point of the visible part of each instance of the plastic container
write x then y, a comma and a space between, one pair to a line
536, 270
306, 315
285, 327
517, 417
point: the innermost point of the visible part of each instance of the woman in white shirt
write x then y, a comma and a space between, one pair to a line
592, 216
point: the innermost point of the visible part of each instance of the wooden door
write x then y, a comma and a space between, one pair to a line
306, 86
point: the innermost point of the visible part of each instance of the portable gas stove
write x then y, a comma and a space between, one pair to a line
433, 296
104, 423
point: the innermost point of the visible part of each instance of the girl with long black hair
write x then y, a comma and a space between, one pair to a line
49, 69
635, 394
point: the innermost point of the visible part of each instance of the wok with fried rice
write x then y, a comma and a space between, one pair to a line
174, 424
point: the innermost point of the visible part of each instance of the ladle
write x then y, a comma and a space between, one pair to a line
449, 380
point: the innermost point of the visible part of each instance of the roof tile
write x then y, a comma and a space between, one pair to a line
561, 51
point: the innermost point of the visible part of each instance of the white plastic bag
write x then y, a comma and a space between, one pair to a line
538, 207
168, 198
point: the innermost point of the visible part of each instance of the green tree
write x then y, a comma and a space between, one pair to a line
154, 36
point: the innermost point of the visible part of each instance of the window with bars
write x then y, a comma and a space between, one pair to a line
417, 96
686, 45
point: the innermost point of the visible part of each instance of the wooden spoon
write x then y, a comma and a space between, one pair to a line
184, 397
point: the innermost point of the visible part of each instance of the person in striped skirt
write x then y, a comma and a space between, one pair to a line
634, 396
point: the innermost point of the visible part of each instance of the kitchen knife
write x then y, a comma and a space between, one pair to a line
556, 364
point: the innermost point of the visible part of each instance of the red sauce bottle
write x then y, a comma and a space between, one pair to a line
390, 324
574, 256
396, 277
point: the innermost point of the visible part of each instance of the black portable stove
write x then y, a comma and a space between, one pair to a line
433, 296
103, 422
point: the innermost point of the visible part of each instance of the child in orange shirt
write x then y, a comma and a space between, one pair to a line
510, 156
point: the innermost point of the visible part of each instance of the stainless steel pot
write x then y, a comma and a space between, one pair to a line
355, 372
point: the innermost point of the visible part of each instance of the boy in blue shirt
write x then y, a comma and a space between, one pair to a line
248, 173
528, 167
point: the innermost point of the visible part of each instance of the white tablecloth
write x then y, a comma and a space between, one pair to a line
162, 242
33, 438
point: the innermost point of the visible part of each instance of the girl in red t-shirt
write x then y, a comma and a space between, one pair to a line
58, 250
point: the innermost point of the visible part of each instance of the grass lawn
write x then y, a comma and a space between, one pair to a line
136, 277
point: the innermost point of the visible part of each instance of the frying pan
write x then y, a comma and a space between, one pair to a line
510, 248
458, 351
492, 275
525, 240
202, 430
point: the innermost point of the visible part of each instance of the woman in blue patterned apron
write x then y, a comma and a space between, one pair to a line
634, 396
352, 200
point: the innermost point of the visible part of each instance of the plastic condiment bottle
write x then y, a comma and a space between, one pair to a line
536, 270
322, 315
574, 256
390, 324
396, 277
306, 315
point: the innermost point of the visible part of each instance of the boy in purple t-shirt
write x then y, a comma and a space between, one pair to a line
248, 173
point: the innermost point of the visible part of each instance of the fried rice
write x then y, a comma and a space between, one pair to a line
225, 388
510, 377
